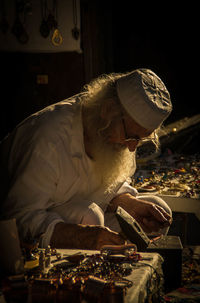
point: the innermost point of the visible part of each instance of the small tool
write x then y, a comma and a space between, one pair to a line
131, 230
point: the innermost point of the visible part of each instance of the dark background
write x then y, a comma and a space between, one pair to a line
116, 36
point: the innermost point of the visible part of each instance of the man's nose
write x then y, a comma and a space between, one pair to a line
131, 145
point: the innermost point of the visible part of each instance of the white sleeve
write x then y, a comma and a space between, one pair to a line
35, 173
122, 189
127, 188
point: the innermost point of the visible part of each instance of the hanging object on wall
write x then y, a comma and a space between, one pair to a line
28, 7
57, 38
18, 28
4, 26
44, 27
52, 15
75, 30
40, 25
49, 22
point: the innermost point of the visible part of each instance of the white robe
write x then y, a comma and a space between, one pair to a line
45, 164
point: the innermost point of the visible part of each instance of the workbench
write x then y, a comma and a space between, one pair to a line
146, 278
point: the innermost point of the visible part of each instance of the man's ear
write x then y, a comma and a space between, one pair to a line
106, 111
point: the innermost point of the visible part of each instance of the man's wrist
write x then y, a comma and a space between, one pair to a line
120, 200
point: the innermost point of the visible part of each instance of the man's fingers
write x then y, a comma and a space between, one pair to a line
165, 214
160, 214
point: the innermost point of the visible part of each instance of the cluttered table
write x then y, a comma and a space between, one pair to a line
147, 278
87, 276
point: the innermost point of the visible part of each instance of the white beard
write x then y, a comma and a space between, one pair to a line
113, 163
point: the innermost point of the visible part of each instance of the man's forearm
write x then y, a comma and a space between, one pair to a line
69, 236
83, 236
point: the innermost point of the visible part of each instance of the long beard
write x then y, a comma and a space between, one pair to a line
113, 163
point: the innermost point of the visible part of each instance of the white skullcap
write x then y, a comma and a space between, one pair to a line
145, 97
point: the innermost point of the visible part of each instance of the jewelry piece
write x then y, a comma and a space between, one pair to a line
57, 38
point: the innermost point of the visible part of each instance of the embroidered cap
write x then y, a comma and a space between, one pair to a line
144, 97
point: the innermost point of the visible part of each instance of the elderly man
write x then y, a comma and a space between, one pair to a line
66, 168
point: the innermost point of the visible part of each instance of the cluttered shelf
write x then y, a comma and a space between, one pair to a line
173, 173
176, 179
170, 174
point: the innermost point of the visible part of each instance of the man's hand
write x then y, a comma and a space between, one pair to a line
151, 217
83, 236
